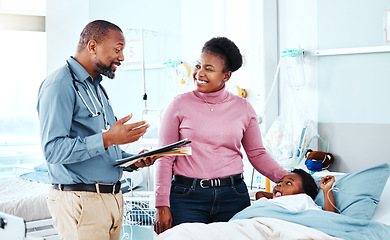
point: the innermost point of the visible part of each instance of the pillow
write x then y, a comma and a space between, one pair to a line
382, 211
42, 177
357, 194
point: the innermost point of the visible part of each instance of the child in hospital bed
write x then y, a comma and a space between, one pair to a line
297, 190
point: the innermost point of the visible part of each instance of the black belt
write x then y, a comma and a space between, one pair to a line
206, 183
103, 188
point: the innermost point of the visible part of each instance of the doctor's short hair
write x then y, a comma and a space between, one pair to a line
309, 185
227, 50
96, 30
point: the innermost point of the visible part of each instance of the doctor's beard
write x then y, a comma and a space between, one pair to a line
106, 71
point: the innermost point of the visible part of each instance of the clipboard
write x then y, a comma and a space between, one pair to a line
171, 149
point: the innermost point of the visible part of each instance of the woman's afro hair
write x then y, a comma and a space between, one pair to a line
227, 50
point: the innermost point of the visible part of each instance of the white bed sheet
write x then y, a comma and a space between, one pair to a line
244, 229
382, 211
24, 198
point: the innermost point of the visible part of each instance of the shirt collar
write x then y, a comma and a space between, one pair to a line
213, 97
81, 74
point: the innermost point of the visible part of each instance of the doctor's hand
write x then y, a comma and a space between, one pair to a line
146, 161
163, 219
121, 133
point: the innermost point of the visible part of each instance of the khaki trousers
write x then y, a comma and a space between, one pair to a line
86, 215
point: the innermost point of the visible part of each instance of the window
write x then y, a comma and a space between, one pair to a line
23, 68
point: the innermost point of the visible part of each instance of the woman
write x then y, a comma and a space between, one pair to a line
208, 185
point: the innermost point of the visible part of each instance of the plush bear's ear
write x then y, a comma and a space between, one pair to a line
330, 157
308, 152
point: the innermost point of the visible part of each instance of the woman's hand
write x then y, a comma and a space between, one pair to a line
163, 219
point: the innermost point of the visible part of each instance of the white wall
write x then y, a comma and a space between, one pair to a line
64, 22
298, 30
353, 89
66, 19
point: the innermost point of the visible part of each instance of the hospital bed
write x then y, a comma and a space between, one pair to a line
24, 201
357, 195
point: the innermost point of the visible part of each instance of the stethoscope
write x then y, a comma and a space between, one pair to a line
99, 101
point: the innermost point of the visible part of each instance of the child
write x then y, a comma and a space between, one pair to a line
300, 182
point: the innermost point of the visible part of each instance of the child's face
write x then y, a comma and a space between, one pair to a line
290, 184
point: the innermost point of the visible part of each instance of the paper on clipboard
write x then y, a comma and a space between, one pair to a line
172, 149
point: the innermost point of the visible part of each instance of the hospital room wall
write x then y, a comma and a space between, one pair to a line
181, 29
162, 40
352, 93
354, 89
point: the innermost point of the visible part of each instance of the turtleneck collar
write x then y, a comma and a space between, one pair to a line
213, 97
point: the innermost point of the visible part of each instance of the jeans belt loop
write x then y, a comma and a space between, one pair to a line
97, 188
231, 180
193, 183
59, 187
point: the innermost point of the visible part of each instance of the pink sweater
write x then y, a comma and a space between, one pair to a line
216, 138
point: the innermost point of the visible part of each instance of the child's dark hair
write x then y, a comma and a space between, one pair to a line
227, 50
308, 184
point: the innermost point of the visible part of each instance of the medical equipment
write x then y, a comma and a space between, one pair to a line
183, 71
99, 101
293, 65
334, 189
138, 215
292, 60
236, 90
286, 138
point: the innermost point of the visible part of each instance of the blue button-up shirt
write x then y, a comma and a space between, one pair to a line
71, 138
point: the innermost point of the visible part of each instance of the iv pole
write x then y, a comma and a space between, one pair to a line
145, 96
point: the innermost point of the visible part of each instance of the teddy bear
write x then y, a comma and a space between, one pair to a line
318, 160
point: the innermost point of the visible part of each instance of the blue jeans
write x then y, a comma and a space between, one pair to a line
206, 205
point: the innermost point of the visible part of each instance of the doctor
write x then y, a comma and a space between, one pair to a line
80, 138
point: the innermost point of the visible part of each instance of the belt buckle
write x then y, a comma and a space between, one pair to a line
201, 183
